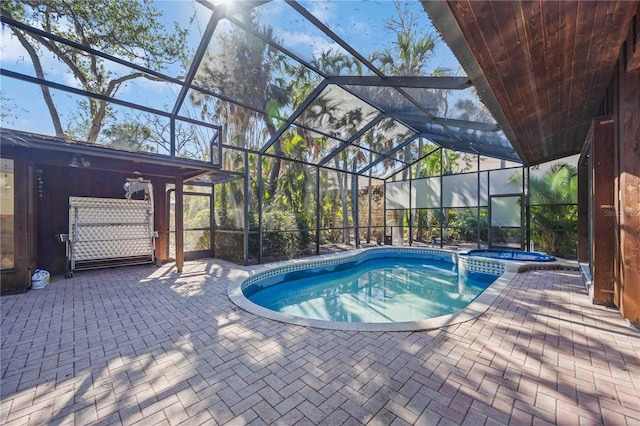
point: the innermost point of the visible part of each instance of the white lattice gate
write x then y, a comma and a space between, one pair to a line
108, 231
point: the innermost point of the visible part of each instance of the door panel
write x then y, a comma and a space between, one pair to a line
505, 221
197, 225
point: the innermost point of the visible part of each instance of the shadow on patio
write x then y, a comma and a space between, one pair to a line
144, 344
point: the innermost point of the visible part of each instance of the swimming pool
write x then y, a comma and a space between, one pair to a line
378, 289
389, 289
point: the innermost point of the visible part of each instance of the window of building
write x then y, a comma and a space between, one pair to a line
6, 214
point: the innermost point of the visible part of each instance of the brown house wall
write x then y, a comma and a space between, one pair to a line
53, 208
42, 212
614, 210
627, 133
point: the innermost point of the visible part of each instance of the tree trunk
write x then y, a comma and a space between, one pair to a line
354, 203
342, 185
97, 120
46, 94
274, 171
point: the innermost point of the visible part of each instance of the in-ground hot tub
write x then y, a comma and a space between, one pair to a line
506, 254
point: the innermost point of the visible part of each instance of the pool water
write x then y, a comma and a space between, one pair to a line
383, 290
507, 254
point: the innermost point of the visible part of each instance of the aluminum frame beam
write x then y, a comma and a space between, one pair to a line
428, 82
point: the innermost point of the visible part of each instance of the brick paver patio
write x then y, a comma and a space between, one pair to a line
144, 345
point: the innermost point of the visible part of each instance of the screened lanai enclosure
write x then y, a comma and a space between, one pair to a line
334, 125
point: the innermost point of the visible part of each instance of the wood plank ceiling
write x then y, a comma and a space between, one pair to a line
542, 67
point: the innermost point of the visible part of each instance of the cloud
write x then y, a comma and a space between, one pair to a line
324, 11
300, 42
273, 9
357, 27
11, 48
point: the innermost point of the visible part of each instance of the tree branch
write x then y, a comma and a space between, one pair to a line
46, 94
60, 54
114, 85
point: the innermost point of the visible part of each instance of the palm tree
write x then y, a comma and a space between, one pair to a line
559, 185
552, 199
250, 71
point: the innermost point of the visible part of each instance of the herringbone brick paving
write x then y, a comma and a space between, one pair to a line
144, 345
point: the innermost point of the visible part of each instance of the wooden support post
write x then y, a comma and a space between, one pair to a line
18, 278
179, 217
161, 219
604, 212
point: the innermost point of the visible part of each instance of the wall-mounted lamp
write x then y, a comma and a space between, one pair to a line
79, 161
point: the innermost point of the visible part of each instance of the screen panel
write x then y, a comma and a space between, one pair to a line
507, 181
506, 211
460, 190
397, 195
426, 193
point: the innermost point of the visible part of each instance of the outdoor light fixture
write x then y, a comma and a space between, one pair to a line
79, 161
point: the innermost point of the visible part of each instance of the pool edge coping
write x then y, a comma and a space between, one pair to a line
475, 309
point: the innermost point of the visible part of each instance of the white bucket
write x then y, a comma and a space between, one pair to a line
40, 279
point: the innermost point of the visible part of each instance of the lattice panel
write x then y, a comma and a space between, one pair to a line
108, 211
104, 228
112, 232
94, 250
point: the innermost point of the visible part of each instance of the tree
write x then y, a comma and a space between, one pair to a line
552, 199
559, 185
8, 112
125, 29
471, 111
250, 71
133, 136
412, 49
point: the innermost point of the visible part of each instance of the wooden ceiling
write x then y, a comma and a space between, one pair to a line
542, 67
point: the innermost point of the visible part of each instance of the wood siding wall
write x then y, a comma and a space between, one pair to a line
627, 125
53, 209
40, 218
583, 210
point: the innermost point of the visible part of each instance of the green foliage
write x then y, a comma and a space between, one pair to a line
554, 214
280, 237
555, 229
127, 29
132, 136
259, 78
229, 205
412, 48
559, 185
471, 111
465, 221
9, 112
